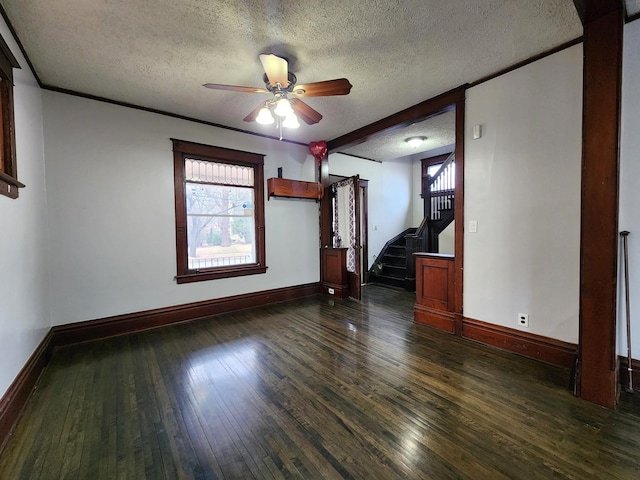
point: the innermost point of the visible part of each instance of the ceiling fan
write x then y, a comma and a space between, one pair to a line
285, 106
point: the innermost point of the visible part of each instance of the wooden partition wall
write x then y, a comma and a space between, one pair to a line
435, 291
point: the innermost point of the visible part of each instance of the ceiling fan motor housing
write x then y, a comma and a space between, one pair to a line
274, 88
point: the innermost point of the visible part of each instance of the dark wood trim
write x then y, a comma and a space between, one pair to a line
458, 215
162, 112
633, 17
597, 9
579, 4
213, 153
7, 61
427, 162
10, 180
325, 212
183, 150
20, 45
523, 63
16, 396
624, 373
339, 291
221, 272
538, 347
429, 108
360, 157
445, 321
87, 331
599, 237
364, 234
9, 183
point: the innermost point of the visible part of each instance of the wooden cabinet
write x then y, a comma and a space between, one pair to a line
435, 291
283, 187
334, 267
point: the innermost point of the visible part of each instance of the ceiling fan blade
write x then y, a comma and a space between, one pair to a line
254, 113
235, 88
340, 86
305, 112
276, 68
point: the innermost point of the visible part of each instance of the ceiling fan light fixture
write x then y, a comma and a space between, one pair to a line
264, 116
415, 142
283, 108
291, 121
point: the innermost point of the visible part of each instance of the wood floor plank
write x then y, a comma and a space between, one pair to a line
313, 388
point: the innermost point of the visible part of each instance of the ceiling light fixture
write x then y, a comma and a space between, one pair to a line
279, 111
291, 121
283, 108
264, 116
415, 142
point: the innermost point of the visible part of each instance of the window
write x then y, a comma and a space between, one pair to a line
219, 198
9, 183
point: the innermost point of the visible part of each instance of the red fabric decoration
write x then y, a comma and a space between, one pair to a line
318, 150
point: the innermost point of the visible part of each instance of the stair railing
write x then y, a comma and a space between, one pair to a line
439, 189
415, 242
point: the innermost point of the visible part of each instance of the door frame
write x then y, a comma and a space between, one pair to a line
364, 224
445, 102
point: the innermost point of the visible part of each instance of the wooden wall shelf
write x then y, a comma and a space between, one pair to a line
283, 187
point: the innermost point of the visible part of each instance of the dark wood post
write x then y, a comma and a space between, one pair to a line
603, 32
325, 210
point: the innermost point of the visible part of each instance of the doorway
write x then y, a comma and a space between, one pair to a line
451, 101
363, 214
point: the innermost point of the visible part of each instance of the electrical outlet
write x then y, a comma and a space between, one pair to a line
523, 320
331, 291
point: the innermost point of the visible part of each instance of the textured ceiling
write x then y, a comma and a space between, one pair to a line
439, 132
633, 7
158, 53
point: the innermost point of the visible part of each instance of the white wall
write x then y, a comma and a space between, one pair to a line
447, 239
522, 186
389, 195
24, 296
629, 218
111, 208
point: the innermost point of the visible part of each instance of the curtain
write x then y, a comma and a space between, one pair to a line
344, 220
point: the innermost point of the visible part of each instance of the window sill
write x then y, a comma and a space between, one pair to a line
203, 275
9, 186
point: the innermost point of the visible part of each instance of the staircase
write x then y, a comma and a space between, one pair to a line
395, 266
390, 268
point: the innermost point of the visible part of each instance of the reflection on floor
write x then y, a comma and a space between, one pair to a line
314, 388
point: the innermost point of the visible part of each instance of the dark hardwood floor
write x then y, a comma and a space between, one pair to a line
314, 388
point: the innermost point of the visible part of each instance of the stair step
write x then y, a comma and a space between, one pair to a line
396, 271
394, 260
387, 280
